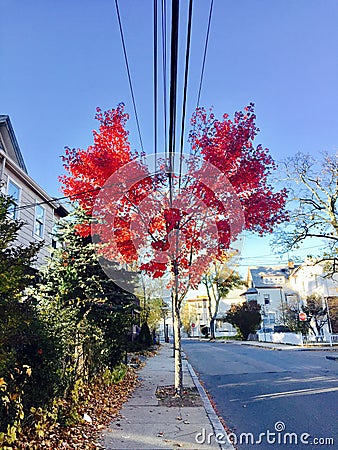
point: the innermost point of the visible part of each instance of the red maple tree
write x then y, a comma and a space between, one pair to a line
167, 220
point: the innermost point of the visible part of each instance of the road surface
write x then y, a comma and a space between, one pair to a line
270, 399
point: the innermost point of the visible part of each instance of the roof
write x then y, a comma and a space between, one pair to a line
12, 146
15, 161
251, 290
258, 273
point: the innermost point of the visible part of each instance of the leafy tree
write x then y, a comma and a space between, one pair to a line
169, 225
246, 318
316, 313
332, 303
16, 261
313, 189
219, 281
88, 311
19, 332
154, 308
291, 314
144, 338
188, 316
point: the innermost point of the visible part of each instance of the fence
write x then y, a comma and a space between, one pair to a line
333, 339
281, 338
296, 338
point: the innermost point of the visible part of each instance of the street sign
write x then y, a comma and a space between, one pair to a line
192, 325
302, 316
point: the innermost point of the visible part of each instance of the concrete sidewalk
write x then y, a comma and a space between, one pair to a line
144, 424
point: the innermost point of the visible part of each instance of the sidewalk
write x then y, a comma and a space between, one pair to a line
145, 424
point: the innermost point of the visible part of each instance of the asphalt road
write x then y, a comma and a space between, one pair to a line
270, 399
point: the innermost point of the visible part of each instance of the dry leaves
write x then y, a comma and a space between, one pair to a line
102, 405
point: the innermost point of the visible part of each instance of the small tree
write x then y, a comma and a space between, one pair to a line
83, 306
332, 303
174, 224
144, 338
316, 313
219, 281
188, 317
246, 318
291, 314
16, 261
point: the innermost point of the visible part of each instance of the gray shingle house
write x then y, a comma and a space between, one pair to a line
34, 206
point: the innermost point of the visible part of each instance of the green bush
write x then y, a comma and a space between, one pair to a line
144, 338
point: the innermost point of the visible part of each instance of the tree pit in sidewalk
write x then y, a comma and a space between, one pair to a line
166, 396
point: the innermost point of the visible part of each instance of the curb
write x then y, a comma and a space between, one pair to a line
293, 348
214, 420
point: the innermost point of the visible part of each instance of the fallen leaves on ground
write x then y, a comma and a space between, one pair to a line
102, 405
167, 396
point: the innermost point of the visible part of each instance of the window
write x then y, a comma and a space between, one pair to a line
269, 319
13, 191
54, 236
39, 221
272, 317
266, 299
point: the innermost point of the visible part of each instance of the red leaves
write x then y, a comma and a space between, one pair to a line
89, 169
229, 146
172, 218
137, 221
154, 269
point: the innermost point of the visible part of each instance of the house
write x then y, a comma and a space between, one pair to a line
278, 287
198, 312
270, 287
33, 205
310, 279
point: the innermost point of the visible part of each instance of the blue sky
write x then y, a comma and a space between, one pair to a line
62, 58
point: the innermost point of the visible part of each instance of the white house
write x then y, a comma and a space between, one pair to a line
198, 311
33, 205
270, 287
277, 287
310, 279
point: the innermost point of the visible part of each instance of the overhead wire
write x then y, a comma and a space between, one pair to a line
164, 71
155, 79
205, 53
185, 88
128, 73
173, 90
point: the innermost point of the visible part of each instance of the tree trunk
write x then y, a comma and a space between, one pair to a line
211, 316
212, 328
178, 349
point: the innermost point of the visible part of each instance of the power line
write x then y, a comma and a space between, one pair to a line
272, 255
187, 56
205, 52
173, 89
164, 70
155, 79
128, 73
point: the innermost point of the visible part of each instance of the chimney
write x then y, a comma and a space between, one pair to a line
291, 264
